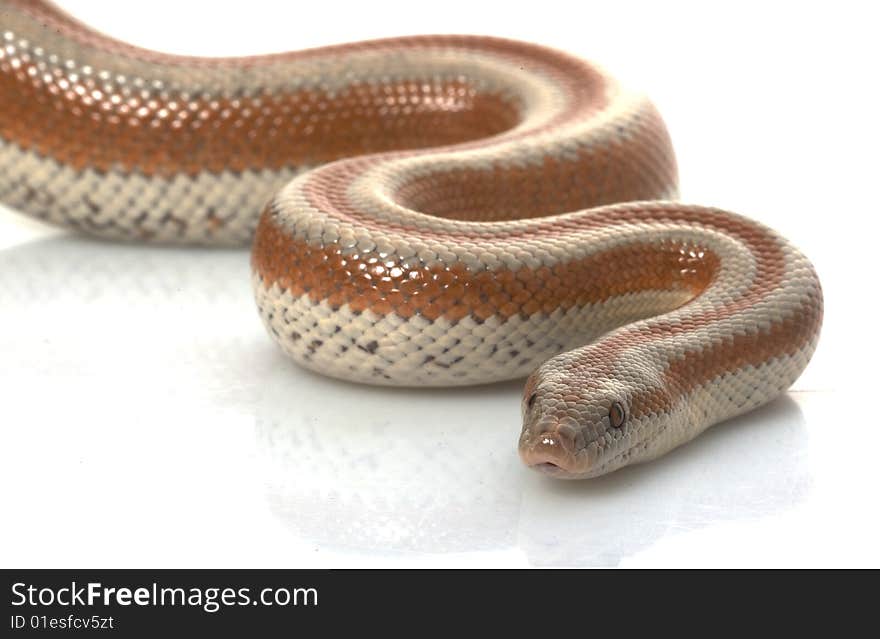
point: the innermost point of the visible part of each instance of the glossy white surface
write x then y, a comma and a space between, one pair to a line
147, 420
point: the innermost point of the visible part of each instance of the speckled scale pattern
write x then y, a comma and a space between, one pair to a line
438, 210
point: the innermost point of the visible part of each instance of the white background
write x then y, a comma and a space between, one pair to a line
147, 419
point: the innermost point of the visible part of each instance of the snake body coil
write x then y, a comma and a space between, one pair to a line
447, 210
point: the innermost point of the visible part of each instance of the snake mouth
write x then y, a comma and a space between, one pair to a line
551, 469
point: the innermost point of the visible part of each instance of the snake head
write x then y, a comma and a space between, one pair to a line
579, 421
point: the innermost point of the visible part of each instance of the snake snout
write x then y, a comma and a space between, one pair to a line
551, 452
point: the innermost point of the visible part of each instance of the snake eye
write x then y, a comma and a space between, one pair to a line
616, 415
531, 401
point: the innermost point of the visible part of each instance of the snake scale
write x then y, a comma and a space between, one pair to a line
435, 210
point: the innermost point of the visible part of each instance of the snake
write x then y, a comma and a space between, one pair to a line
433, 210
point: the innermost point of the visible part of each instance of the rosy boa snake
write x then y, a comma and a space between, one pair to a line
447, 210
